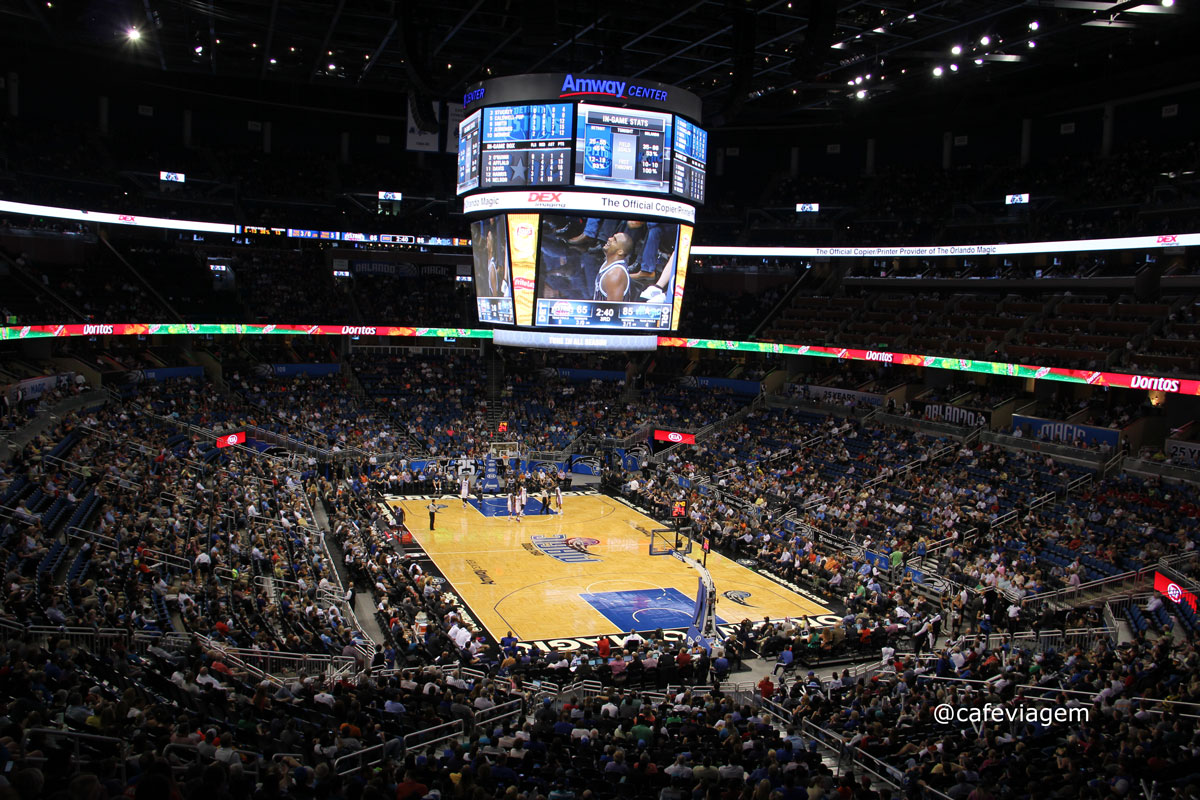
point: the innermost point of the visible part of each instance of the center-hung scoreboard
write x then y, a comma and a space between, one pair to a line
582, 193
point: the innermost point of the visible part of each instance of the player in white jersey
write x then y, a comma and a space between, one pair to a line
522, 499
464, 488
558, 497
512, 505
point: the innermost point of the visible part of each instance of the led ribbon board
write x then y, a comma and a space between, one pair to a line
1117, 380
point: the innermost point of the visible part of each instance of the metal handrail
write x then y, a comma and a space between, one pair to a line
77, 738
446, 731
384, 748
501, 711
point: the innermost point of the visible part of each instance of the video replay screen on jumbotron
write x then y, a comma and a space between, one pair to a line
610, 273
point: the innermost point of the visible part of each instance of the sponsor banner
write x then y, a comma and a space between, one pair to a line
1016, 248
1180, 450
1052, 430
630, 461
418, 139
574, 341
682, 256
1173, 591
638, 92
402, 270
144, 329
491, 474
116, 219
33, 388
230, 439
829, 394
671, 636
622, 342
522, 257
454, 117
311, 370
1111, 379
606, 203
955, 415
675, 437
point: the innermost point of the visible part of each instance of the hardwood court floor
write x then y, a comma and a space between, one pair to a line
587, 572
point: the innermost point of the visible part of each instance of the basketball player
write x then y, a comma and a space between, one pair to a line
558, 497
512, 505
612, 281
545, 498
522, 499
464, 488
497, 276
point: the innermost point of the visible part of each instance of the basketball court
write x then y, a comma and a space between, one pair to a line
585, 573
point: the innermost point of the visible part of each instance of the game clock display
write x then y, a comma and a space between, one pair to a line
526, 145
622, 148
602, 314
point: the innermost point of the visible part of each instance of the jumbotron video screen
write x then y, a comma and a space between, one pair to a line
493, 273
608, 272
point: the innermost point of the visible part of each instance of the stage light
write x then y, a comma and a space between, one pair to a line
332, 67
979, 61
954, 67
1033, 26
1168, 3
858, 80
134, 34
956, 50
273, 61
199, 49
937, 72
860, 94
985, 40
1032, 44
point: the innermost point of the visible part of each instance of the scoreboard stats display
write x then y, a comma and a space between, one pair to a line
493, 270
468, 153
622, 148
610, 273
689, 165
525, 145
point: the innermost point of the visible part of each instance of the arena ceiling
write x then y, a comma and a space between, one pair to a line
753, 62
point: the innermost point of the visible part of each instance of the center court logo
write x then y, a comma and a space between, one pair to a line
738, 597
568, 551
